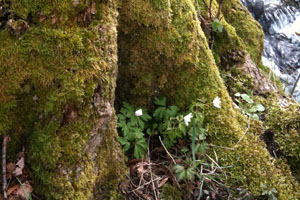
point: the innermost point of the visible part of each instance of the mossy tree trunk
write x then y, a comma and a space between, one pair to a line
58, 68
164, 51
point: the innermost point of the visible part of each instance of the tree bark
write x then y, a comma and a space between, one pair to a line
58, 74
163, 51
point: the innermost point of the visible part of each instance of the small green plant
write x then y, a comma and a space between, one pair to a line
134, 123
271, 193
217, 26
248, 106
132, 128
185, 173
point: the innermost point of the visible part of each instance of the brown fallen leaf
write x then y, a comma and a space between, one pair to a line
19, 167
25, 186
144, 196
162, 182
12, 189
10, 168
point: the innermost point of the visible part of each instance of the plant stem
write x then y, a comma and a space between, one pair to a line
294, 88
193, 144
4, 182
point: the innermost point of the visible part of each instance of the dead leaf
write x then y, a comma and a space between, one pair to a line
12, 189
162, 182
19, 167
27, 187
140, 170
21, 163
144, 196
10, 167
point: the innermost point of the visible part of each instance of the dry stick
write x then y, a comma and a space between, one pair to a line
154, 190
167, 151
293, 90
219, 10
210, 15
4, 183
235, 146
205, 4
147, 183
243, 134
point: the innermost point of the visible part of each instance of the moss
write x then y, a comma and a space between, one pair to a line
57, 82
171, 193
169, 56
285, 124
240, 18
236, 81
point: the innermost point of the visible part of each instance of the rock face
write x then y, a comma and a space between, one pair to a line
57, 77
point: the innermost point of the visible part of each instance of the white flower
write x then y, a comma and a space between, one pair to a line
217, 102
187, 119
139, 113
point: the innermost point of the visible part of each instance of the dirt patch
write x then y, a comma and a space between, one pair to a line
272, 146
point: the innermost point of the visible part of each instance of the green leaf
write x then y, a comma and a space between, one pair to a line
140, 148
253, 109
145, 117
255, 116
159, 113
217, 26
237, 94
122, 140
138, 133
173, 111
161, 102
190, 173
178, 168
247, 98
126, 147
260, 107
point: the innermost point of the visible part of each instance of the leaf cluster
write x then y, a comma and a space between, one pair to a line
132, 128
248, 106
166, 121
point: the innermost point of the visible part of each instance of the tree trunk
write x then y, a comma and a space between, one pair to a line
164, 51
58, 73
58, 69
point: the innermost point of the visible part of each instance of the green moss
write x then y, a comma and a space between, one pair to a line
285, 123
236, 81
169, 56
171, 193
240, 18
57, 83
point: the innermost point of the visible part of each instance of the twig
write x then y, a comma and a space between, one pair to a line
243, 134
220, 9
205, 4
210, 15
147, 183
294, 88
218, 166
4, 183
154, 190
167, 150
